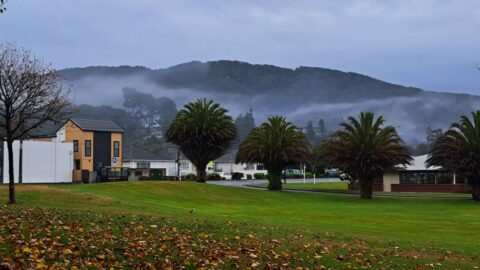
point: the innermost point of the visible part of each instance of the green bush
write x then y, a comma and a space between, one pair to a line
214, 177
237, 176
308, 175
259, 176
249, 177
294, 176
189, 177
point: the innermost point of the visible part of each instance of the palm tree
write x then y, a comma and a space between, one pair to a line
365, 149
276, 144
458, 150
203, 131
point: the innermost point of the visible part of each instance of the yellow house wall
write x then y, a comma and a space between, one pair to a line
117, 137
73, 132
390, 178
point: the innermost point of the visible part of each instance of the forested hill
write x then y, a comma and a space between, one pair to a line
301, 94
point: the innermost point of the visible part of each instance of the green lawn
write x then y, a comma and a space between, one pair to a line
343, 186
317, 186
432, 226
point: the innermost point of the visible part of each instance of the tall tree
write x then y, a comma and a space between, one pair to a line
166, 111
203, 131
276, 144
244, 123
322, 130
365, 149
310, 133
433, 135
31, 94
458, 150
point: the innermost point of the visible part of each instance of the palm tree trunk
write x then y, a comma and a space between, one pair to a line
275, 180
476, 191
366, 188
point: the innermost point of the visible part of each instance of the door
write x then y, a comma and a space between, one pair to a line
102, 149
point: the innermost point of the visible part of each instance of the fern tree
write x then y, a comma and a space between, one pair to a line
365, 148
203, 131
276, 144
458, 150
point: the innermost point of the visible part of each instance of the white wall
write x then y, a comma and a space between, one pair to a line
43, 162
390, 178
169, 165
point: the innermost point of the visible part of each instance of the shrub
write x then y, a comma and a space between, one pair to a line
308, 175
249, 177
294, 176
214, 176
189, 177
237, 176
259, 175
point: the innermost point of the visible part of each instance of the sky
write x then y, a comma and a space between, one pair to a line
434, 45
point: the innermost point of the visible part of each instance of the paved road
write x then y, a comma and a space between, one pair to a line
243, 183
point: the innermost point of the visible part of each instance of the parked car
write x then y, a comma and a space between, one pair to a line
344, 177
226, 175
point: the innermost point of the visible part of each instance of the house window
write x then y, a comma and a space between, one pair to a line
426, 177
88, 148
143, 165
75, 146
77, 164
184, 166
116, 148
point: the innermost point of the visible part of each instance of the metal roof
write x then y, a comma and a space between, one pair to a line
139, 152
418, 164
97, 125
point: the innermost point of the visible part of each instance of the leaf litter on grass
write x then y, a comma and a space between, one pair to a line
44, 238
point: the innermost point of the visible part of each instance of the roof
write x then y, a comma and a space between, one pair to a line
138, 152
97, 125
418, 164
228, 157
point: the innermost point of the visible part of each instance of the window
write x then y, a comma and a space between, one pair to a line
116, 149
426, 177
88, 148
143, 165
184, 166
75, 146
77, 164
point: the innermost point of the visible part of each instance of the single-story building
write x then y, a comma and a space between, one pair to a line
39, 161
226, 163
417, 177
143, 163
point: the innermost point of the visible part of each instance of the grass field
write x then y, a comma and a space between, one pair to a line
381, 233
343, 186
320, 186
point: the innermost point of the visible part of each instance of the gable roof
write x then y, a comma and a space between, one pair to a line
138, 152
228, 157
419, 164
97, 125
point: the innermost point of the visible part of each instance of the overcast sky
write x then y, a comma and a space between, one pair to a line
430, 44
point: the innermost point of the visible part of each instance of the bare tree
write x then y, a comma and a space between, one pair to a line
31, 94
2, 6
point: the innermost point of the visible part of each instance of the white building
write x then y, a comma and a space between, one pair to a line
42, 162
226, 163
143, 163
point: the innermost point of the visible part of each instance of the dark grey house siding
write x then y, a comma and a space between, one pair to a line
102, 149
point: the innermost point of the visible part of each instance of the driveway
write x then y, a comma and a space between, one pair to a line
244, 183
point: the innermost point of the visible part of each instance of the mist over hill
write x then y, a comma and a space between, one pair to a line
301, 94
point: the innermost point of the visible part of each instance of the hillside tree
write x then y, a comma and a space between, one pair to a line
31, 94
244, 123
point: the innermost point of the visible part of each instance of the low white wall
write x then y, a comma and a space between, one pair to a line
43, 162
390, 178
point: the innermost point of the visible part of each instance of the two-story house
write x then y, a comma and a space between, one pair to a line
97, 144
